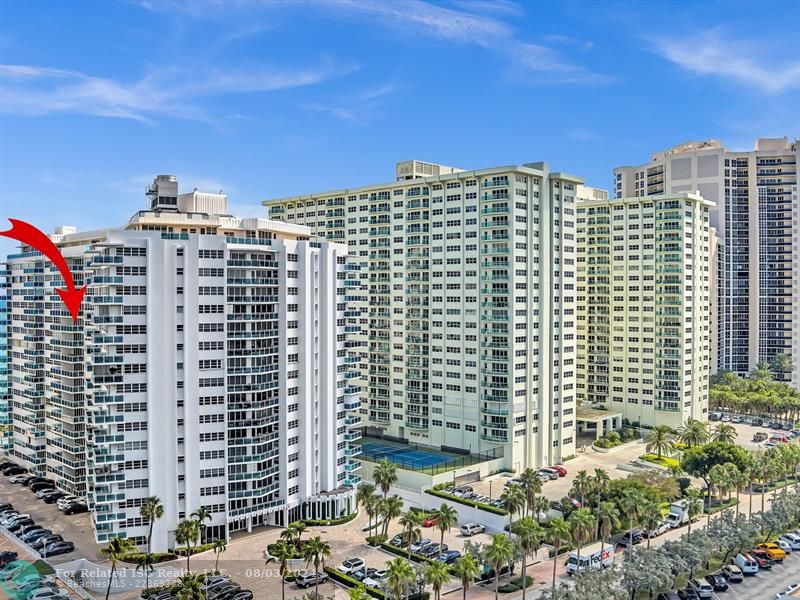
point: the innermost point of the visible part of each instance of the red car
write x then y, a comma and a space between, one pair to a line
429, 521
561, 470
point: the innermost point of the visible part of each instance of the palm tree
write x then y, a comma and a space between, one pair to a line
219, 547
514, 498
631, 504
693, 433
365, 497
583, 525
601, 483
437, 574
316, 550
607, 517
762, 469
187, 533
201, 515
145, 565
412, 531
560, 532
539, 507
390, 508
582, 485
659, 440
284, 553
499, 553
694, 505
190, 587
372, 506
151, 510
446, 518
724, 433
529, 539
385, 476
651, 517
466, 569
781, 364
399, 574
762, 372
293, 532
116, 549
531, 485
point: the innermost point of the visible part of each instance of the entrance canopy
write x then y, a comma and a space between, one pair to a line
602, 420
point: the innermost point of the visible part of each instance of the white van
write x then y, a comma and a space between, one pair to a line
595, 556
746, 563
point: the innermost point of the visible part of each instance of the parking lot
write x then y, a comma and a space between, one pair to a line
74, 528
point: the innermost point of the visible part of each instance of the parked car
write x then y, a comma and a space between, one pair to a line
362, 574
433, 550
20, 478
470, 529
398, 541
726, 419
38, 486
717, 581
74, 509
791, 539
688, 593
668, 596
746, 563
38, 479
376, 579
61, 547
34, 535
16, 526
419, 545
634, 535
548, 473
784, 545
6, 506
41, 493
66, 500
52, 497
762, 558
759, 436
306, 579
714, 416
662, 527
45, 540
561, 470
7, 557
17, 471
449, 557
737, 419
351, 564
46, 593
243, 595
429, 521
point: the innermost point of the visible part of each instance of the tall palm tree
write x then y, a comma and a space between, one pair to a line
560, 532
631, 504
651, 517
694, 505
372, 506
201, 515
583, 525
781, 364
437, 574
190, 587
294, 532
116, 549
316, 550
693, 433
399, 573
385, 476
446, 519
411, 523
283, 552
607, 518
390, 508
219, 547
529, 538
659, 440
718, 477
514, 498
365, 496
540, 507
762, 469
531, 485
601, 483
499, 553
145, 565
187, 533
725, 433
466, 569
582, 486
762, 372
151, 510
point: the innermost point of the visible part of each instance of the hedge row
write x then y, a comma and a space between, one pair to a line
480, 505
195, 550
330, 522
352, 582
515, 585
138, 557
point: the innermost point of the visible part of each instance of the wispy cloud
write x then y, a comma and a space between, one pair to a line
358, 107
569, 41
175, 92
730, 57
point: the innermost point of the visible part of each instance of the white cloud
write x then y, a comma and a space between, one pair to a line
35, 90
744, 61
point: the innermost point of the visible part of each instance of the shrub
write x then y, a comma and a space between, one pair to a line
166, 587
628, 434
664, 461
181, 551
613, 437
480, 505
158, 557
566, 458
377, 540
352, 582
330, 522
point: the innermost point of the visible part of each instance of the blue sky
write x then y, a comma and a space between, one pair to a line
265, 99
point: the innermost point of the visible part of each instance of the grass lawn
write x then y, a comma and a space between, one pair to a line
664, 461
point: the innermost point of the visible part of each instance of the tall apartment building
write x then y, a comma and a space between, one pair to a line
756, 216
469, 281
645, 292
5, 394
208, 368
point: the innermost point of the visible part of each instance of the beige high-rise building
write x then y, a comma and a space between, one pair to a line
468, 289
757, 218
644, 294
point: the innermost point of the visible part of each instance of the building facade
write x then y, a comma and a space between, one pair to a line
644, 296
468, 298
756, 218
208, 368
5, 393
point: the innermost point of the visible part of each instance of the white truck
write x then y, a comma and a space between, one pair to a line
595, 556
678, 514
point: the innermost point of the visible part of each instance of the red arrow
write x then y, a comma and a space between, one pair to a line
28, 234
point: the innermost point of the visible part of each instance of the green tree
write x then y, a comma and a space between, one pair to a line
651, 517
724, 433
190, 587
659, 440
693, 433
694, 506
219, 547
116, 549
283, 551
582, 486
390, 508
631, 504
466, 569
436, 575
560, 533
145, 565
446, 519
583, 526
532, 486
411, 524
365, 498
762, 372
385, 476
607, 518
187, 533
514, 498
646, 569
201, 515
358, 593
315, 551
781, 364
601, 483
529, 538
699, 461
499, 553
151, 511
399, 574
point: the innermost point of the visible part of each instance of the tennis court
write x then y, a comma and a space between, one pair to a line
415, 458
403, 456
